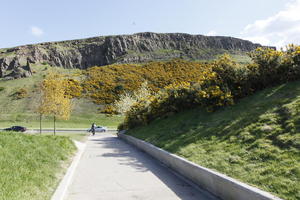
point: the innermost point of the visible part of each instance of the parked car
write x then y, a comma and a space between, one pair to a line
16, 129
99, 129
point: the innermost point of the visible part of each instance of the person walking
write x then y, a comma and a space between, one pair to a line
93, 128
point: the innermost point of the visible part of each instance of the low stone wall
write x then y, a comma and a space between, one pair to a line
218, 184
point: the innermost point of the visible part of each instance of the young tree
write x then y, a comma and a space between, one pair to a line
54, 100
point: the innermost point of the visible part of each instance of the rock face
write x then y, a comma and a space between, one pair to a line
140, 47
19, 72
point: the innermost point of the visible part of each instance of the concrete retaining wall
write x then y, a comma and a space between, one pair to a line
218, 184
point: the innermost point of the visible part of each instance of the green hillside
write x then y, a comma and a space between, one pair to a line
257, 140
18, 109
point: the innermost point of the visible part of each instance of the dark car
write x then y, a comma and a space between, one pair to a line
16, 129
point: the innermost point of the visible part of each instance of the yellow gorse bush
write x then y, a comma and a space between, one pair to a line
218, 84
177, 97
73, 88
180, 84
105, 84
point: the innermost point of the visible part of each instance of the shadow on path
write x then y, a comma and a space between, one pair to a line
141, 162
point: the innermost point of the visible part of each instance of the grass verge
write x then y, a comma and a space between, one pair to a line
256, 141
31, 165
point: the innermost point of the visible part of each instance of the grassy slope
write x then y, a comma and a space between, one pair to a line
31, 165
21, 112
256, 141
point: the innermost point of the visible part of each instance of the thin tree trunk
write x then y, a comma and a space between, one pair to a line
54, 125
40, 123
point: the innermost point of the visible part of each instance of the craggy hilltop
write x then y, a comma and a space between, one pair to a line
136, 48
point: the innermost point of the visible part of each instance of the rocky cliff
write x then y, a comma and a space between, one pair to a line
140, 47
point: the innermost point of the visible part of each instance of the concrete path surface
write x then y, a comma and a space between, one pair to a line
112, 169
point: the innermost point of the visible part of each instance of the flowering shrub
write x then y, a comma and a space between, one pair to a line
271, 67
267, 68
179, 84
291, 63
127, 100
73, 88
218, 83
105, 84
175, 98
233, 75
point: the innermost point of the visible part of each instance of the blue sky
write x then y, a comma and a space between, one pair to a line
271, 22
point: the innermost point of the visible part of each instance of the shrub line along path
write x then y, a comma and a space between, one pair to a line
112, 169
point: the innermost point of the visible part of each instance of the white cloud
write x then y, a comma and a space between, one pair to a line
211, 33
36, 31
279, 30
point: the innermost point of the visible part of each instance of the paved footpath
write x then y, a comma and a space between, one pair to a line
111, 169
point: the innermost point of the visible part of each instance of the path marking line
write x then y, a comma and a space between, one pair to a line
62, 188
